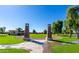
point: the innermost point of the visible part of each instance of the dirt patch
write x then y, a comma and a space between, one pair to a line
47, 46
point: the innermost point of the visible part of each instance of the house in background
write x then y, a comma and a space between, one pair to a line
15, 32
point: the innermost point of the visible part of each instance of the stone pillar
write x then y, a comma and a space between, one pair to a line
49, 35
26, 32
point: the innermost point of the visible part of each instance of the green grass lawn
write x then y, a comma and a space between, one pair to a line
9, 39
13, 50
67, 38
74, 48
37, 36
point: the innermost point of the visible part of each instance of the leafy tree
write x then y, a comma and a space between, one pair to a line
54, 28
72, 15
19, 29
2, 29
45, 31
77, 27
57, 27
34, 31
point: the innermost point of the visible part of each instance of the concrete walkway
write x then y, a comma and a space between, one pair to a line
33, 47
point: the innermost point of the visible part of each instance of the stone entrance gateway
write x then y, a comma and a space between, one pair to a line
49, 34
27, 34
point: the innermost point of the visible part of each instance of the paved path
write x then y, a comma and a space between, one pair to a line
33, 47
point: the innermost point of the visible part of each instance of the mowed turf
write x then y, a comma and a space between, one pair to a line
9, 39
37, 36
13, 50
74, 48
66, 38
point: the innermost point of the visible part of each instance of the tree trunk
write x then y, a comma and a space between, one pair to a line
77, 35
70, 33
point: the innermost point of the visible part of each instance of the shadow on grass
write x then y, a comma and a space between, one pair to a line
63, 42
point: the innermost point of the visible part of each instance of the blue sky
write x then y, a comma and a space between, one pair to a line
38, 16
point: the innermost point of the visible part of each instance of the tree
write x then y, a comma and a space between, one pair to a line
68, 26
54, 28
2, 29
45, 31
19, 29
72, 15
57, 27
34, 31
77, 27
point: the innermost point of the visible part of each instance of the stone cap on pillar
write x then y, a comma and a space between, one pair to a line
49, 24
27, 24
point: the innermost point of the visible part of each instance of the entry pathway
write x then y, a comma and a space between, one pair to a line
33, 47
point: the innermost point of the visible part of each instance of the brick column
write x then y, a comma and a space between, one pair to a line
49, 35
26, 32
